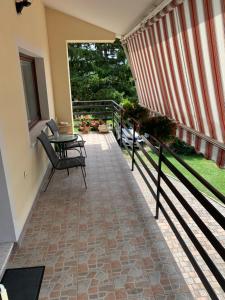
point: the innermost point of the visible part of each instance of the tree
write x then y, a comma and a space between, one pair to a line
100, 72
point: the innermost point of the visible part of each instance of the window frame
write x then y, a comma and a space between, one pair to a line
24, 57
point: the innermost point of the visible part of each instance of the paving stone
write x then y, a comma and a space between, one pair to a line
104, 242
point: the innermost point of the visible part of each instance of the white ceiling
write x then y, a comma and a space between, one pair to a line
118, 16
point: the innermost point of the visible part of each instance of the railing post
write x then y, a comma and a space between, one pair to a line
133, 146
121, 127
113, 122
158, 182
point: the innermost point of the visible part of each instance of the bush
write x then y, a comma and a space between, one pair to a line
159, 127
180, 147
134, 110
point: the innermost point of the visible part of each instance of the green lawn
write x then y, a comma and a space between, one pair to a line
207, 168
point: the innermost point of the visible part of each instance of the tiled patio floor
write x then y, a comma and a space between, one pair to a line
98, 244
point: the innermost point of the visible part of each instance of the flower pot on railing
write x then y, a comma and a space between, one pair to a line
86, 128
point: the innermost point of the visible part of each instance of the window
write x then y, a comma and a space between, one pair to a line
30, 89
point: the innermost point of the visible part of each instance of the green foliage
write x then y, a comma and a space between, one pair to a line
182, 148
100, 72
159, 127
134, 110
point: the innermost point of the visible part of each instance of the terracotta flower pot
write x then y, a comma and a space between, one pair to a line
86, 129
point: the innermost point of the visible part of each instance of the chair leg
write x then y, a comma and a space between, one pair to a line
83, 173
85, 152
68, 172
49, 178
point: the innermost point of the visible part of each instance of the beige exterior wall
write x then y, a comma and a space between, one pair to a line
24, 160
26, 31
61, 29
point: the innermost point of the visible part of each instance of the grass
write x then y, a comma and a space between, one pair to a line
206, 168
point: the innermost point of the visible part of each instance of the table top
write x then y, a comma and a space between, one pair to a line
63, 138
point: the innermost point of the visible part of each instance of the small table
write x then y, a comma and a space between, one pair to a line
61, 140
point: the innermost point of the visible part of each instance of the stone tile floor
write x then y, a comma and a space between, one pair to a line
103, 242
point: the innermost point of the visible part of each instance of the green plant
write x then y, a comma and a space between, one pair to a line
159, 127
134, 110
182, 148
100, 71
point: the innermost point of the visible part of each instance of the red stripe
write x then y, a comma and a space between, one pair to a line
208, 150
168, 48
149, 74
153, 73
220, 158
197, 143
160, 73
181, 133
187, 52
179, 66
165, 69
188, 138
200, 65
211, 35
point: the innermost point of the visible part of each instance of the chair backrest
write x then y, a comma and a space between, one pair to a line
48, 149
52, 126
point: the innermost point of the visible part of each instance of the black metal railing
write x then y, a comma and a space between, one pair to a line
140, 157
101, 109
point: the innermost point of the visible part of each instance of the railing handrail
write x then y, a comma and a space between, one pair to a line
74, 102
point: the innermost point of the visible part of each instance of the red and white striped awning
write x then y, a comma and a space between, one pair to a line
178, 61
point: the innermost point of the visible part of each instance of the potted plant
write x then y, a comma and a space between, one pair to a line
87, 126
133, 110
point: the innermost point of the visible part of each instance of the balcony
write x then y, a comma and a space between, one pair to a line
130, 235
104, 242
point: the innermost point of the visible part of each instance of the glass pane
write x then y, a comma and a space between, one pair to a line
30, 90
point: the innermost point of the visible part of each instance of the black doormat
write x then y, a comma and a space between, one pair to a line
23, 283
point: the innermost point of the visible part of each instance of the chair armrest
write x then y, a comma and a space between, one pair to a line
80, 137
